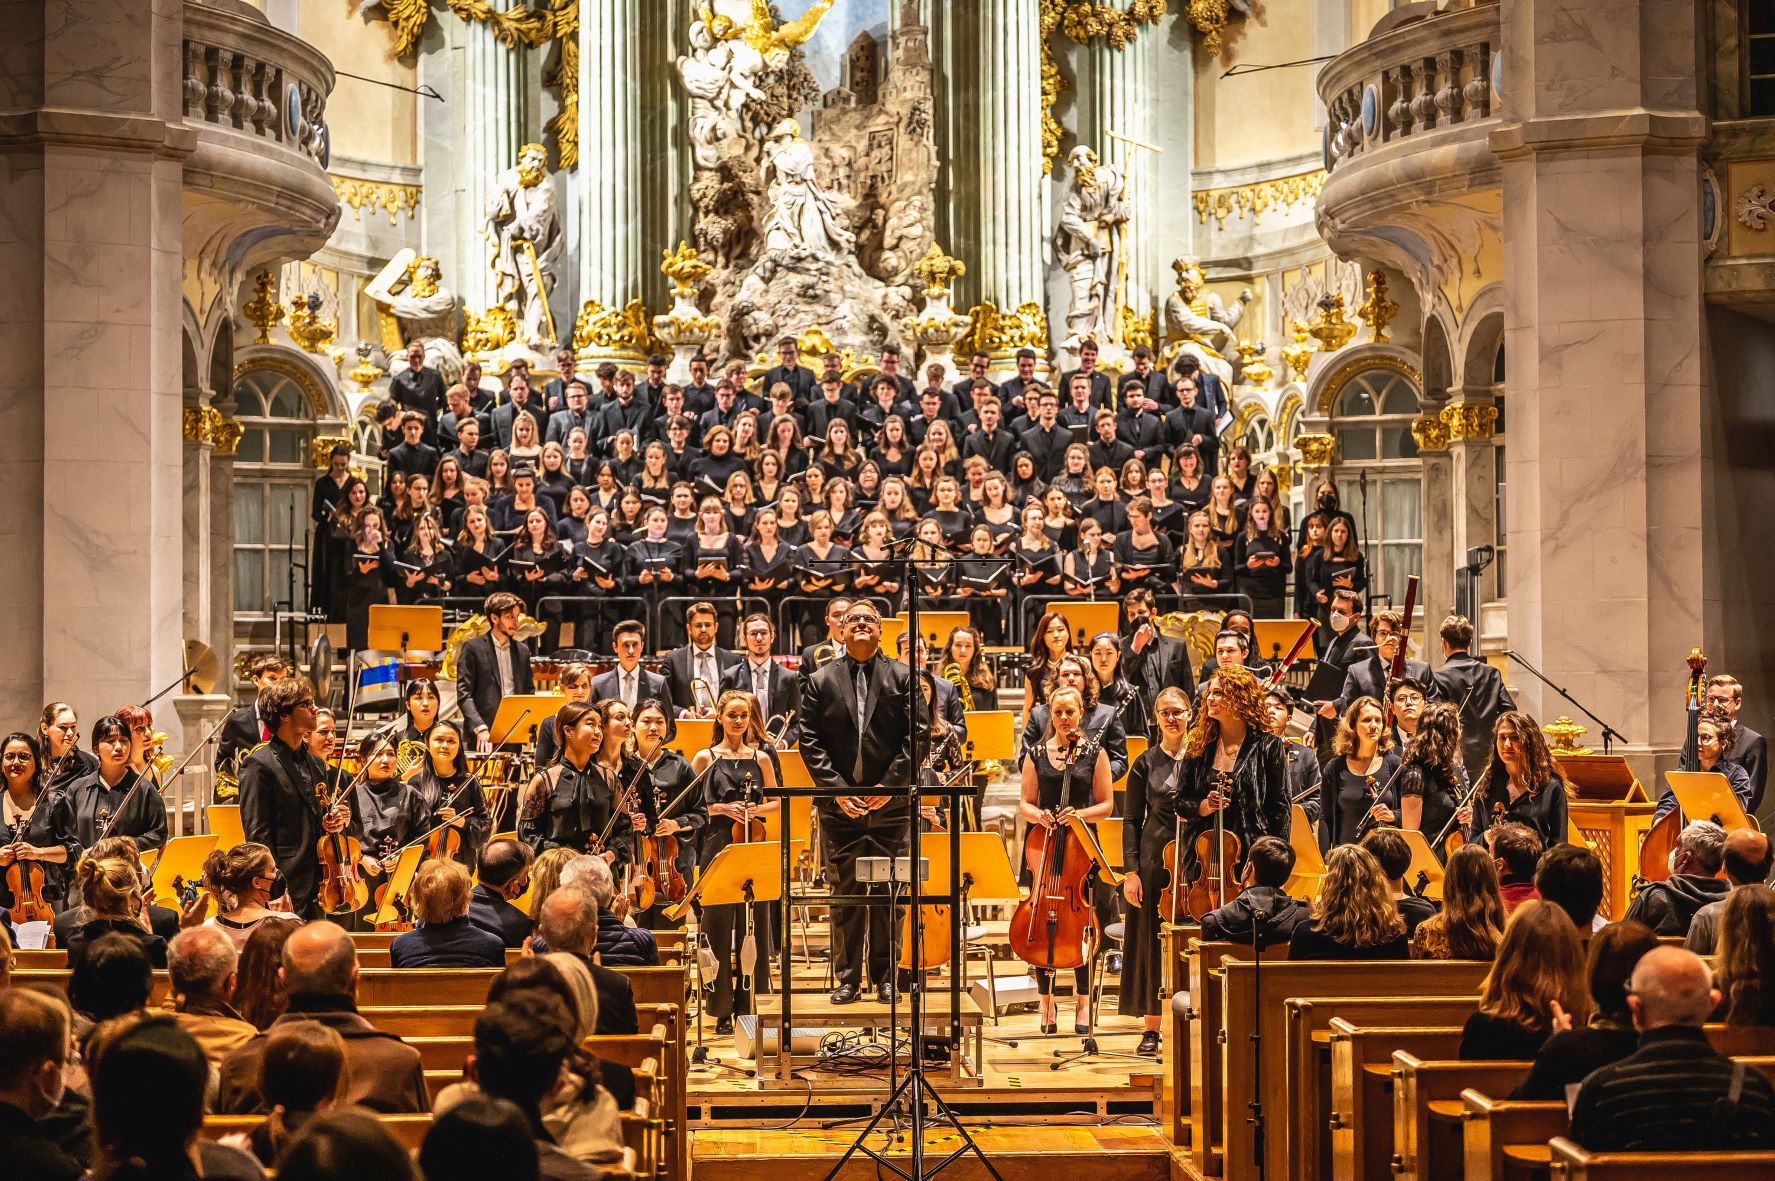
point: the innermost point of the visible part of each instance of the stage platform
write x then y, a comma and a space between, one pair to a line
1020, 1153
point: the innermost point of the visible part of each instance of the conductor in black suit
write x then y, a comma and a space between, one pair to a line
856, 734
493, 667
1475, 688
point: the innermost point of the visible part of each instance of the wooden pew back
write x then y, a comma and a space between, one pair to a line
1361, 1090
1572, 1163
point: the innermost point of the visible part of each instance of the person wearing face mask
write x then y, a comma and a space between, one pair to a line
35, 1048
1369, 677
1326, 510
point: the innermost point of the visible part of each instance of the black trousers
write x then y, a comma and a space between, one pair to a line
860, 932
725, 929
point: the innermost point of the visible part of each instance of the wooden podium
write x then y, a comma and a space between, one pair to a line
1609, 808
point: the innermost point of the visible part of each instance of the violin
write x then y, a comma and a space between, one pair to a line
752, 828
445, 841
1055, 926
24, 881
342, 888
1217, 850
658, 864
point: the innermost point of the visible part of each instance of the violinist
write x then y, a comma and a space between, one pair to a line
735, 793
142, 745
58, 737
615, 765
1357, 777
1055, 785
1521, 782
1234, 767
668, 774
567, 805
1432, 779
1304, 779
36, 823
104, 798
279, 804
420, 699
452, 794
1715, 734
386, 812
1101, 719
1149, 822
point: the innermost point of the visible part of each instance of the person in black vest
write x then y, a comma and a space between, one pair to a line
419, 389
1474, 687
493, 667
279, 807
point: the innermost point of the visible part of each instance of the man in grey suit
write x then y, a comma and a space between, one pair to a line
576, 414
628, 682
493, 667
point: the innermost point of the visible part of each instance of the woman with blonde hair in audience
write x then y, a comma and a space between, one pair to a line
1471, 920
1536, 985
240, 880
111, 892
545, 876
1354, 917
1744, 957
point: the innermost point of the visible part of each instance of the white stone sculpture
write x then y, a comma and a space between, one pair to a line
524, 228
411, 289
717, 74
1090, 219
801, 215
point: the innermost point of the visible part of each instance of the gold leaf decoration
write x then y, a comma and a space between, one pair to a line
1082, 21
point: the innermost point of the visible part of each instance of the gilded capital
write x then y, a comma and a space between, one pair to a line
1316, 450
320, 450
1469, 420
226, 434
626, 330
1001, 334
1430, 432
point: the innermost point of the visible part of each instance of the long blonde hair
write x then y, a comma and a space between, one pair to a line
1540, 960
1354, 904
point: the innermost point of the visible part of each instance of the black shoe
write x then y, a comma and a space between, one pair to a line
844, 994
1149, 1043
724, 1026
886, 993
1050, 1027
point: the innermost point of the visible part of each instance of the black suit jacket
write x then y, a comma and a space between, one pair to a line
1154, 385
241, 732
678, 673
1368, 678
996, 449
278, 809
800, 379
1164, 663
829, 727
488, 911
785, 690
1751, 752
477, 680
1476, 689
1099, 387
616, 1000
1047, 448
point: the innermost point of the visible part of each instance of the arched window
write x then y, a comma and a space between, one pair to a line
273, 480
1379, 476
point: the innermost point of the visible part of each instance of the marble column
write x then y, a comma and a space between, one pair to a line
90, 180
1012, 250
493, 81
1475, 483
1436, 583
612, 256
1604, 322
1123, 103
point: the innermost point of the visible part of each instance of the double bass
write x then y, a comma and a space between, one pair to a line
1661, 838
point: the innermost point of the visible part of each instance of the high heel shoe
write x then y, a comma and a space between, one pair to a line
1081, 1026
1050, 1027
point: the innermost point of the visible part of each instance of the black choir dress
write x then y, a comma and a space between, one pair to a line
1060, 787
1347, 799
1543, 810
568, 807
1441, 795
1149, 821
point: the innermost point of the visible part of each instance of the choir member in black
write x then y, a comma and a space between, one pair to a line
822, 567
1432, 781
1238, 470
1089, 570
661, 807
1037, 557
656, 561
1359, 782
768, 560
1225, 517
1049, 640
1234, 768
856, 735
1714, 735
1106, 507
965, 650
112, 792
790, 527
1149, 821
58, 736
1026, 482
386, 813
1521, 782
1169, 515
279, 804
533, 566
329, 491
714, 556
570, 524
983, 582
1203, 568
568, 804
949, 512
419, 698
367, 566
1304, 774
1056, 785
36, 823
709, 471
1341, 565
681, 513
1262, 561
477, 552
739, 774
340, 545
1103, 719
596, 571
1144, 556
932, 569
451, 792
1192, 486
877, 568
737, 502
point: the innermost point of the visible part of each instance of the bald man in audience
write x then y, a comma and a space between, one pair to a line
201, 962
1676, 1093
1746, 861
320, 974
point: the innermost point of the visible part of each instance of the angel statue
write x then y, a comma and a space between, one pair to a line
802, 215
410, 291
524, 228
726, 57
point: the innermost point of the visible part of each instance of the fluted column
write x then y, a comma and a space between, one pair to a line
492, 133
1013, 190
612, 251
1123, 104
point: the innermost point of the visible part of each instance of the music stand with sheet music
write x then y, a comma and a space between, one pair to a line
520, 716
1707, 795
399, 882
403, 629
741, 874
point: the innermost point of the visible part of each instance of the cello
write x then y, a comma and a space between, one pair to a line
1055, 926
1216, 851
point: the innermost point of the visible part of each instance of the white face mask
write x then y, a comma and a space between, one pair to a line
1340, 621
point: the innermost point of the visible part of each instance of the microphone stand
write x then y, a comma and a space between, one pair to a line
1609, 733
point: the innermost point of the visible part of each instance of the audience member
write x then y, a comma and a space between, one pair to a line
1570, 877
36, 1046
520, 1049
202, 964
320, 975
1266, 871
1667, 907
545, 876
114, 977
569, 923
477, 1139
259, 994
569, 978
1675, 1093
1535, 986
161, 920
1566, 1058
444, 937
1471, 920
346, 1146
241, 880
1746, 860
111, 891
300, 1075
1517, 849
619, 945
1354, 917
504, 875
1394, 855
1744, 965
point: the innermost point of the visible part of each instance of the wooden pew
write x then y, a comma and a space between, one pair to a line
1572, 1163
1256, 999
372, 950
1361, 1116
1307, 1048
1199, 1035
1174, 1098
446, 1021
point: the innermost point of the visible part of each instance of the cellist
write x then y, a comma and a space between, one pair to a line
1057, 784
1149, 823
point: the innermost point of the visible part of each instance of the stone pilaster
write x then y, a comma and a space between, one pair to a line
1474, 486
1604, 320
493, 81
1013, 245
612, 256
1123, 103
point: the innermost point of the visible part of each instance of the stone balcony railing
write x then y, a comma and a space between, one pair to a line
1419, 75
246, 76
